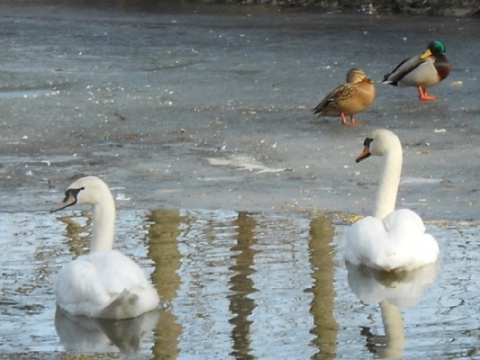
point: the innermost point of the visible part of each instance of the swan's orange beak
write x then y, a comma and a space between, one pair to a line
365, 154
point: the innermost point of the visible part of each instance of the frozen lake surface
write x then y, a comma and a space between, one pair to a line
231, 195
191, 110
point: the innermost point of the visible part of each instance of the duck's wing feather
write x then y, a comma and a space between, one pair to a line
329, 105
402, 69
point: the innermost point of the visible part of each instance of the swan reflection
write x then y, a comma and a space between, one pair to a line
80, 333
391, 291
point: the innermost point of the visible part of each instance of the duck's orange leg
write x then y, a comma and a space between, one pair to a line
344, 121
422, 94
351, 122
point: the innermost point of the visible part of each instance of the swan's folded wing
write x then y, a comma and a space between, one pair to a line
413, 247
398, 242
92, 282
118, 272
362, 242
404, 220
131, 294
78, 290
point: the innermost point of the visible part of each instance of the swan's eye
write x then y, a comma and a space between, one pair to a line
72, 192
75, 192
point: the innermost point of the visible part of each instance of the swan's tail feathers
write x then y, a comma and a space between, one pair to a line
130, 304
123, 307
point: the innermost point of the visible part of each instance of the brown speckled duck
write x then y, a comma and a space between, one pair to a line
422, 71
348, 99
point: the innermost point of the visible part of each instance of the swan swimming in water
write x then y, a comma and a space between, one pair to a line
391, 240
104, 283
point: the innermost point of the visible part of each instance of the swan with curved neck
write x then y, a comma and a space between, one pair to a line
391, 240
103, 283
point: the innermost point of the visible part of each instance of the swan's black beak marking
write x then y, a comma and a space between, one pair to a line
69, 200
366, 151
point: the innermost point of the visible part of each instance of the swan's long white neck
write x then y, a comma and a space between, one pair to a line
103, 231
388, 188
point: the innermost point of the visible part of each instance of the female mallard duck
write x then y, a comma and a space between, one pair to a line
423, 71
390, 240
104, 283
349, 98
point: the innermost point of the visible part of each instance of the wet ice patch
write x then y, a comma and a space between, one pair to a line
244, 162
418, 181
28, 93
122, 197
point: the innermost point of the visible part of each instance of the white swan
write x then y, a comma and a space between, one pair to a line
391, 240
104, 283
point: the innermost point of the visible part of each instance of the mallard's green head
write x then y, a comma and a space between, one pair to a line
436, 47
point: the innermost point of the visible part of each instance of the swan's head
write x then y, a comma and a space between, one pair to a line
86, 190
379, 142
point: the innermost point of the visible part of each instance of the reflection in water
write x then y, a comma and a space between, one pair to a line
322, 306
78, 236
163, 231
392, 291
80, 333
213, 316
242, 285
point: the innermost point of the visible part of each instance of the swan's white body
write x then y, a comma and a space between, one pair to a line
391, 240
104, 283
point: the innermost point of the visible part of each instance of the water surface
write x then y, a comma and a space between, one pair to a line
241, 285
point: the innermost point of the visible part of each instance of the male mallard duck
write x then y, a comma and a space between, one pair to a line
348, 99
423, 71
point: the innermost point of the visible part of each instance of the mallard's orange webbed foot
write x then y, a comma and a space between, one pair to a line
422, 94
